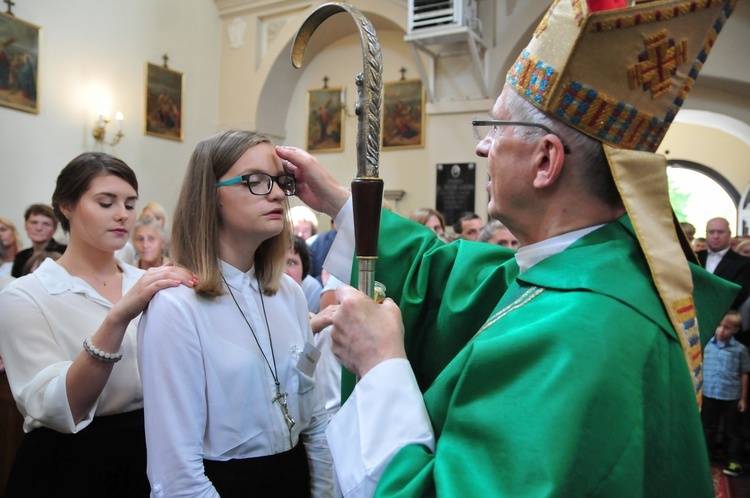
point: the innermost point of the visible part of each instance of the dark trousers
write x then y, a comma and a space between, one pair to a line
712, 413
284, 474
107, 458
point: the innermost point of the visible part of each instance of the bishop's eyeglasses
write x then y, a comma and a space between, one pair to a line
262, 183
491, 128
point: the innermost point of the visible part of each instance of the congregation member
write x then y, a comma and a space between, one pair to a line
150, 243
431, 218
721, 260
5, 277
10, 241
233, 410
40, 224
743, 248
304, 223
726, 366
495, 232
700, 244
298, 267
68, 341
573, 366
689, 230
467, 226
154, 210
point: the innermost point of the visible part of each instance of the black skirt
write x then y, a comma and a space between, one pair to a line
284, 474
106, 459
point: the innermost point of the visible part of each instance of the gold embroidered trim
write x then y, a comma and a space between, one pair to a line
657, 15
522, 300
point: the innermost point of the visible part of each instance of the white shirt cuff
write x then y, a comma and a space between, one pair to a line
385, 412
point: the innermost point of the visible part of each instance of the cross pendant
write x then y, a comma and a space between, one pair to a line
280, 398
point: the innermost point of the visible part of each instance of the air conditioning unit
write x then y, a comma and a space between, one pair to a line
427, 16
445, 28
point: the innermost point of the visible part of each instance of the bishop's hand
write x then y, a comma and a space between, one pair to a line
315, 186
365, 333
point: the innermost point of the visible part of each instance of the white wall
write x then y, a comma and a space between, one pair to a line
102, 47
105, 44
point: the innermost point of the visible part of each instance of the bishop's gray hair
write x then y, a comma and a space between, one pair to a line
586, 154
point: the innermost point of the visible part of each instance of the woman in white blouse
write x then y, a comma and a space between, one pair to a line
68, 341
230, 399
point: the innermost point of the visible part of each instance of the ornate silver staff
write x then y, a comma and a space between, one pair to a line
367, 188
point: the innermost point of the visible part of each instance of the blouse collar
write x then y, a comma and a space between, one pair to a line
237, 279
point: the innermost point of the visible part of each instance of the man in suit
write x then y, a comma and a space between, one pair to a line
722, 261
41, 225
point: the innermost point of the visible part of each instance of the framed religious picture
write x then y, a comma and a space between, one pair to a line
19, 64
325, 118
403, 115
164, 88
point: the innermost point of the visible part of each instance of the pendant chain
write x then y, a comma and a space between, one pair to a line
281, 396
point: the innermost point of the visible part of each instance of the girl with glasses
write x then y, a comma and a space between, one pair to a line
68, 341
231, 404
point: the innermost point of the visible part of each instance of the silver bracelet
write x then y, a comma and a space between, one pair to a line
100, 355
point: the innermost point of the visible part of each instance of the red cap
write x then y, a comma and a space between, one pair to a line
600, 5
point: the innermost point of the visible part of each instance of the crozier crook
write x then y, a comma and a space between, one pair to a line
367, 187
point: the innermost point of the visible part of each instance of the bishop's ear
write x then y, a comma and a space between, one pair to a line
549, 159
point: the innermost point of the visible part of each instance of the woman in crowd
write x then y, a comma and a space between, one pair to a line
743, 248
304, 222
68, 341
233, 410
10, 242
432, 219
151, 210
150, 242
6, 277
495, 232
154, 210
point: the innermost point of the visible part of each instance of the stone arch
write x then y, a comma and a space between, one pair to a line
280, 78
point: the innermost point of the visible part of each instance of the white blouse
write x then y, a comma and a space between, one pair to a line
46, 316
208, 390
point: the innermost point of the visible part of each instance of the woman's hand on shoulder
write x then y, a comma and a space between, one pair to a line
155, 279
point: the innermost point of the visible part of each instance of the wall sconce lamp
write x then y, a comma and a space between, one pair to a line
99, 131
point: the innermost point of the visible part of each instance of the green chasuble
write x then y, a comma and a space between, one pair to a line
576, 384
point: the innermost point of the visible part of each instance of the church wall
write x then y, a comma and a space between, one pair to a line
93, 51
102, 46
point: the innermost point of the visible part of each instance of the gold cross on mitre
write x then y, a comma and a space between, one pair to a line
658, 64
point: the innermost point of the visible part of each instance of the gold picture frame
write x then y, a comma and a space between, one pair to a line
403, 115
164, 90
325, 120
19, 64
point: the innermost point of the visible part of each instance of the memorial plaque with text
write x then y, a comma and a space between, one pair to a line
455, 189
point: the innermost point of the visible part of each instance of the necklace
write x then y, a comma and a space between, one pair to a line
92, 276
281, 396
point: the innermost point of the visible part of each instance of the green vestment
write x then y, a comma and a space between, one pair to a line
576, 386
